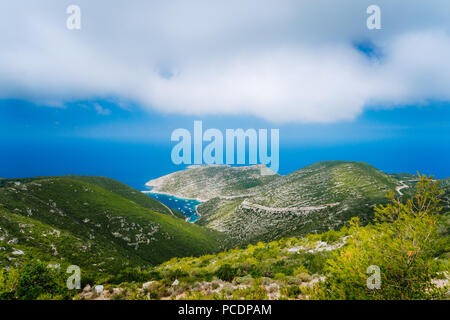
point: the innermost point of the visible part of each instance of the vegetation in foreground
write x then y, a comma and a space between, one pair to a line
408, 242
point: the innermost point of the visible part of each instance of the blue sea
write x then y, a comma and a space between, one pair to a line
185, 206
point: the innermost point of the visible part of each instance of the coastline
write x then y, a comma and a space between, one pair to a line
174, 195
197, 213
181, 198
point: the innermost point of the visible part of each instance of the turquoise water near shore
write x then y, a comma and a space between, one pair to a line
185, 206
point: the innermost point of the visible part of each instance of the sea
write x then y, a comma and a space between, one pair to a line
185, 206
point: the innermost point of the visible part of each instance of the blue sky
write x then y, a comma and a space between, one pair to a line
104, 99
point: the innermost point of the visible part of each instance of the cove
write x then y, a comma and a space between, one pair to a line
186, 207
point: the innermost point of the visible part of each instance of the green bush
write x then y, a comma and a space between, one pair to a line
316, 262
226, 272
172, 275
34, 281
293, 291
331, 236
402, 243
244, 280
131, 275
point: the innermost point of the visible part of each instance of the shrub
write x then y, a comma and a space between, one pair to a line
34, 281
304, 277
331, 236
226, 272
215, 285
293, 291
244, 280
402, 243
279, 276
293, 280
301, 269
130, 275
176, 274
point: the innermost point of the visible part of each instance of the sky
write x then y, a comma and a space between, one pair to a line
104, 100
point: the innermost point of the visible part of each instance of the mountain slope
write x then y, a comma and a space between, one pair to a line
317, 198
110, 185
326, 182
128, 193
206, 182
71, 221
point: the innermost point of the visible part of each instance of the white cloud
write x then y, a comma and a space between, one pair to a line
284, 61
102, 111
299, 84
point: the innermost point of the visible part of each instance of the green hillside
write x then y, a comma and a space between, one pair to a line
76, 220
249, 207
327, 182
128, 193
314, 199
118, 243
410, 246
113, 186
209, 181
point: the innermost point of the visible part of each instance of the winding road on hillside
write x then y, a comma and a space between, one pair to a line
400, 188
